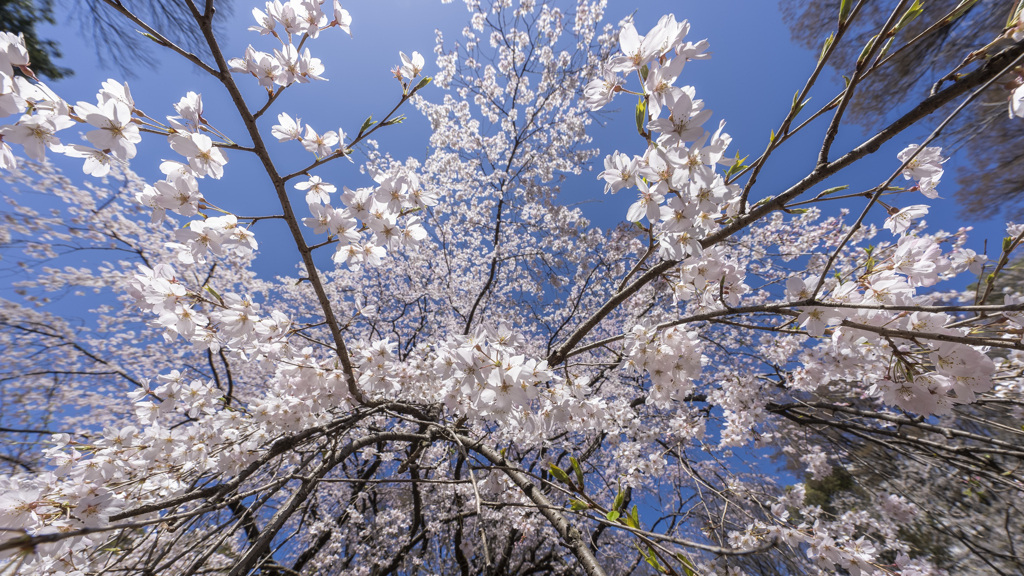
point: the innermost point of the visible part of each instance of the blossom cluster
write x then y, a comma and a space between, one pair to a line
43, 114
123, 468
366, 225
641, 353
924, 376
681, 196
490, 378
301, 18
213, 321
671, 356
924, 166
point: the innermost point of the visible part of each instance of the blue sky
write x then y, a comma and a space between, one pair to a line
749, 82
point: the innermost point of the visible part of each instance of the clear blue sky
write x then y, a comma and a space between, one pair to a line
749, 81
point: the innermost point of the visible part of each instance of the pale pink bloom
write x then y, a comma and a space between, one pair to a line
311, 67
925, 167
264, 23
901, 221
321, 217
311, 17
116, 133
113, 89
287, 129
288, 66
97, 163
411, 67
638, 51
342, 19
205, 158
36, 133
967, 259
648, 204
319, 144
684, 121
600, 91
1017, 102
13, 52
316, 190
619, 172
190, 113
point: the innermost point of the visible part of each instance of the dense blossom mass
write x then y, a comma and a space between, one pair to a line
464, 375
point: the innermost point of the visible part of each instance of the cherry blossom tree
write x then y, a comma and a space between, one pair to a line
464, 375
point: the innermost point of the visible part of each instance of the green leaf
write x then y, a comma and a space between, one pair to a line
652, 559
771, 137
619, 499
844, 11
559, 474
885, 49
688, 567
613, 515
579, 471
762, 201
963, 7
909, 16
834, 190
828, 44
644, 72
151, 37
737, 166
366, 124
633, 520
797, 105
1015, 14
906, 371
641, 116
397, 120
578, 505
210, 289
422, 83
864, 53
1008, 243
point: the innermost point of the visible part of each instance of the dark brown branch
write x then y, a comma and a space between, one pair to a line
991, 69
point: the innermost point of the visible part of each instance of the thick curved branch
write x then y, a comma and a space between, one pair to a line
289, 215
991, 69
